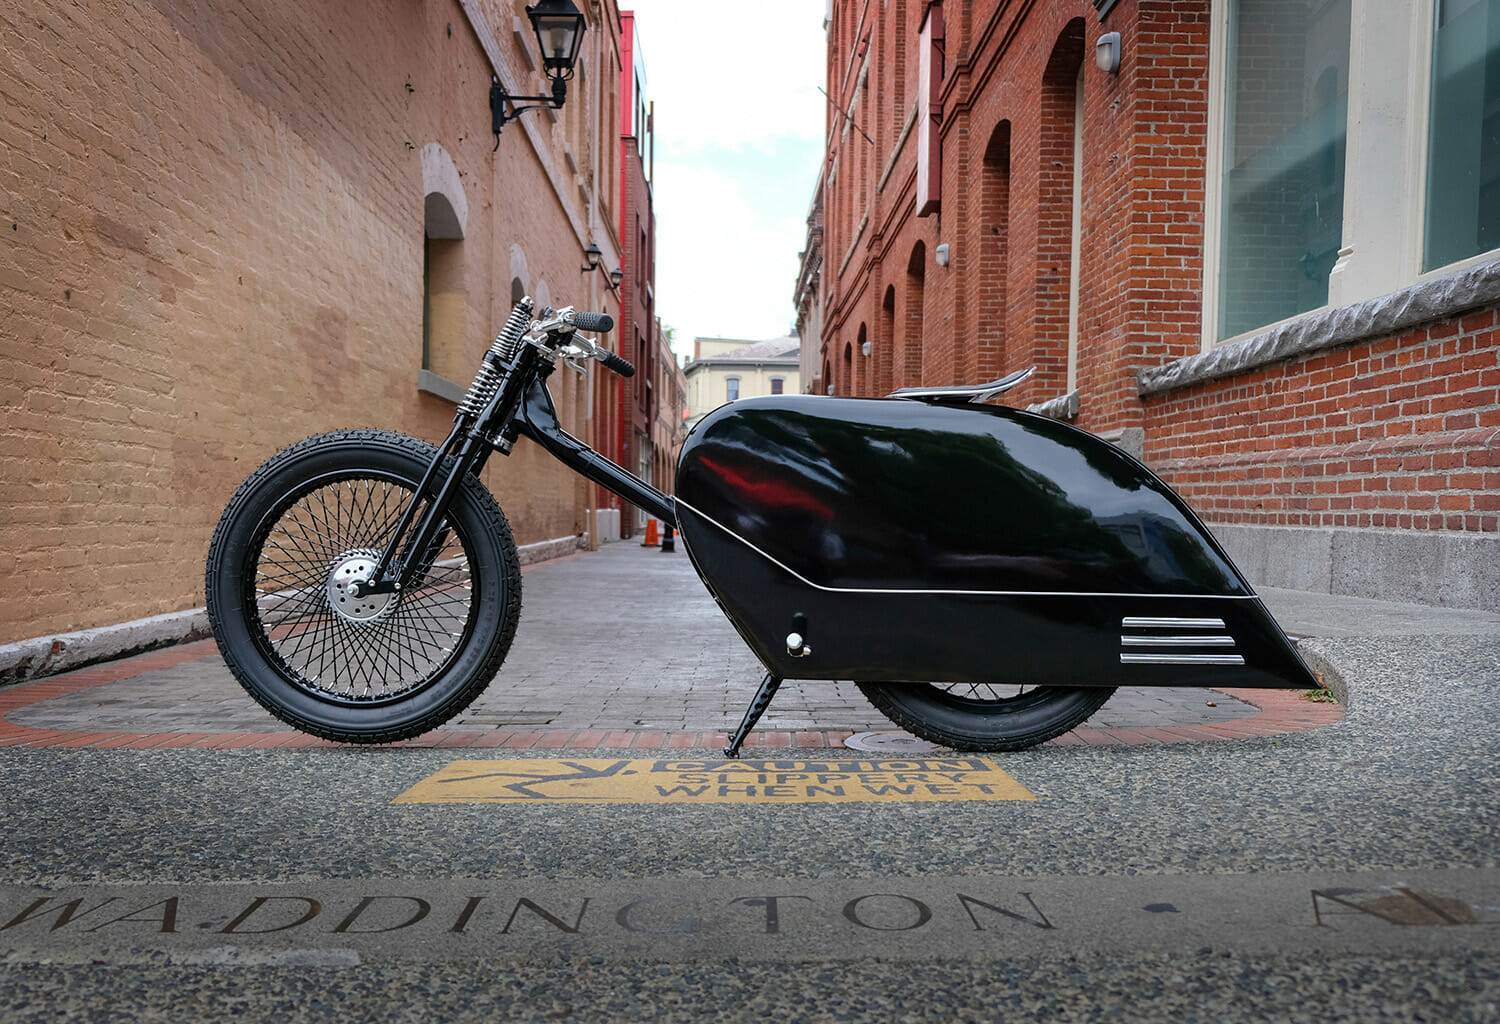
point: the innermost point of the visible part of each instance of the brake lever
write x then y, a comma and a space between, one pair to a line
578, 349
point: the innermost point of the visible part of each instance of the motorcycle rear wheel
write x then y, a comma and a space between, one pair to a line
377, 669
985, 717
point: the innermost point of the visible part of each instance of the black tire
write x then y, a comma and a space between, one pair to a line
378, 669
985, 717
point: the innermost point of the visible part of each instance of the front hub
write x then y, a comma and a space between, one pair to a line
351, 571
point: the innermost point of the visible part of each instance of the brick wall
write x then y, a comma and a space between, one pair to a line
1398, 433
214, 220
638, 313
1389, 432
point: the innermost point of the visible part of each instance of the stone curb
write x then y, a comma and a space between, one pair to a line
48, 655
1332, 679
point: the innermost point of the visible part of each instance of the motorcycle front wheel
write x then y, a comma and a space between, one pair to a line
985, 716
375, 669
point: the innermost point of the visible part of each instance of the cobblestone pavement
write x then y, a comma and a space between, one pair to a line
593, 665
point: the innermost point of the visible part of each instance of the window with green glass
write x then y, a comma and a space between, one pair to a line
1463, 155
1282, 193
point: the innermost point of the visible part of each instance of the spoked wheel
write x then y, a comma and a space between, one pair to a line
314, 520
985, 716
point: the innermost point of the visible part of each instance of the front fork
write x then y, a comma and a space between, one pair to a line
521, 404
468, 445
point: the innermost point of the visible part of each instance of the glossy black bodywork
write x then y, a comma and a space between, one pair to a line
931, 542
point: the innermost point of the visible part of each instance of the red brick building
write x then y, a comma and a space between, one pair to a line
1257, 242
637, 231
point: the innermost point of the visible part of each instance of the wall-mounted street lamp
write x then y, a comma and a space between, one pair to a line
1107, 53
559, 31
592, 255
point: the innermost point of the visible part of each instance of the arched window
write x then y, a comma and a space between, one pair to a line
994, 255
1057, 243
885, 342
861, 385
916, 287
444, 301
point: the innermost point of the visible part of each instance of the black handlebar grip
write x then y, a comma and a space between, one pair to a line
615, 363
601, 323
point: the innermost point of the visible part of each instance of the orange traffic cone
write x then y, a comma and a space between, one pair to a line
652, 539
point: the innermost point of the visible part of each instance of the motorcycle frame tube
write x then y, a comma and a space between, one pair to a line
537, 419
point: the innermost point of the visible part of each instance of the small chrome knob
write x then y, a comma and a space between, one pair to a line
796, 647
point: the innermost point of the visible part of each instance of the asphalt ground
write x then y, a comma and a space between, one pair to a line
1338, 871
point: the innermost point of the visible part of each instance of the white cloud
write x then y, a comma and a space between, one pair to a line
739, 139
726, 261
762, 84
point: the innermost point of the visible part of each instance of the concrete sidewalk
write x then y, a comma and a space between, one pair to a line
594, 666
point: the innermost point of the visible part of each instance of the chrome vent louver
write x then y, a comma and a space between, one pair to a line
1151, 640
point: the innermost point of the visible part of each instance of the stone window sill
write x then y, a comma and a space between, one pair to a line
1322, 329
440, 387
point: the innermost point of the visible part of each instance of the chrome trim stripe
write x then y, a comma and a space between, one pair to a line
1177, 641
1150, 622
1181, 659
968, 392
1216, 623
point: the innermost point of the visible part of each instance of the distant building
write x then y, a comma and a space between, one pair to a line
808, 298
669, 427
727, 369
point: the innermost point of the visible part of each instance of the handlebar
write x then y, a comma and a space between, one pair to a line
562, 325
621, 366
599, 323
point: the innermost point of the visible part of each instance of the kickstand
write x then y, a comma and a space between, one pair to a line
768, 688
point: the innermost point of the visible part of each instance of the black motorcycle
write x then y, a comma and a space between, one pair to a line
988, 576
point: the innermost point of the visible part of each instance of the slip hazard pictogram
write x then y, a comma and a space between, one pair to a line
624, 781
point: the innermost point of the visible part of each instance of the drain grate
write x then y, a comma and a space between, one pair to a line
889, 742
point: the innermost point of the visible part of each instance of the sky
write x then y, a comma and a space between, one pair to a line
739, 140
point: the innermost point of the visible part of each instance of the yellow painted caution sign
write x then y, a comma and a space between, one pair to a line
678, 781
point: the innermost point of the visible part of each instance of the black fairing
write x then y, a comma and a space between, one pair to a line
966, 543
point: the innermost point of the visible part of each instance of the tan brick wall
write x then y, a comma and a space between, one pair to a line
213, 218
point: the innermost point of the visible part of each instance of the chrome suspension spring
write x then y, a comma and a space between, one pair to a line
509, 337
487, 380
